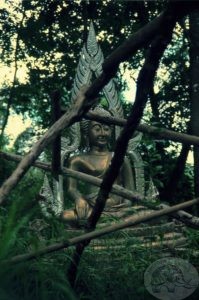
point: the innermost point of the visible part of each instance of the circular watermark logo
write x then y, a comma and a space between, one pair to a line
171, 279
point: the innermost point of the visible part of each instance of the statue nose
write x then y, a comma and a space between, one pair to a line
103, 132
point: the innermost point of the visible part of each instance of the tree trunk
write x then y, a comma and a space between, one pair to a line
170, 189
194, 89
56, 146
156, 118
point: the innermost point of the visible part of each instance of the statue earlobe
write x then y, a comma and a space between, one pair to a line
85, 142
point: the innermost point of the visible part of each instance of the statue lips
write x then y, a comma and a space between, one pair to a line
102, 140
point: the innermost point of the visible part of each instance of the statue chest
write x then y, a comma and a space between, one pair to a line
96, 165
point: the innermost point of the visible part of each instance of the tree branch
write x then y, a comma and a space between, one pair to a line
183, 216
56, 146
116, 189
144, 83
132, 221
156, 132
175, 11
66, 120
176, 175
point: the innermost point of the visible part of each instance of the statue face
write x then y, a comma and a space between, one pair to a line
99, 134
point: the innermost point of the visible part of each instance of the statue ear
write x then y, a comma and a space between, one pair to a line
86, 140
113, 138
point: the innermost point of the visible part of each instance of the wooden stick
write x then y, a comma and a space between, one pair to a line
144, 84
56, 145
116, 189
183, 216
132, 221
158, 133
66, 120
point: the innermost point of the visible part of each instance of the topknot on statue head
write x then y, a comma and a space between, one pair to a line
84, 127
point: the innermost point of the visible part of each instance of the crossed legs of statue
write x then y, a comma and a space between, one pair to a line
77, 218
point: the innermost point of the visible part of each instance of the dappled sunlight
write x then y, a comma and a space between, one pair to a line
16, 125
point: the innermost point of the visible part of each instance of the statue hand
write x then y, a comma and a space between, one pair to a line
110, 202
82, 208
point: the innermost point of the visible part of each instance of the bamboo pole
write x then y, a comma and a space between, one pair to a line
158, 133
131, 221
116, 189
183, 216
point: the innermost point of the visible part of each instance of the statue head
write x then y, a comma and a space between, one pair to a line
99, 135
95, 133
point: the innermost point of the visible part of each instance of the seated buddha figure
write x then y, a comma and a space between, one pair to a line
94, 160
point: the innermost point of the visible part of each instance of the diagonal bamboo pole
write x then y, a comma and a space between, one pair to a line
183, 216
66, 120
144, 84
131, 221
158, 133
116, 189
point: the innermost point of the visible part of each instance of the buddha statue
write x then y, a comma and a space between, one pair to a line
93, 151
94, 160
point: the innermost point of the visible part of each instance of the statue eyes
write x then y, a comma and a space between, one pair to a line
98, 128
106, 128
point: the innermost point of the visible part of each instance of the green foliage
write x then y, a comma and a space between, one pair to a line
21, 232
49, 45
118, 273
4, 140
103, 273
160, 160
185, 188
173, 98
114, 274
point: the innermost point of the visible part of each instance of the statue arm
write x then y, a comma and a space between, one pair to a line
81, 205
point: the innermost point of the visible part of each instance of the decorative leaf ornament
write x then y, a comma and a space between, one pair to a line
90, 63
51, 204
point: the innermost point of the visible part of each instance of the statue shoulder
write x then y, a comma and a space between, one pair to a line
126, 160
76, 159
